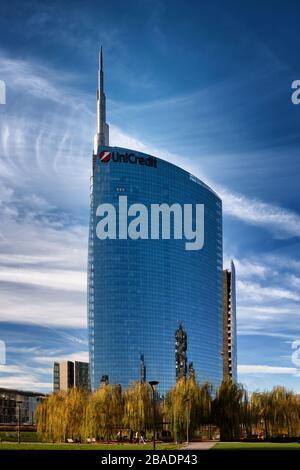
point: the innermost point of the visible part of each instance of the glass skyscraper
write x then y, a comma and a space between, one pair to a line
141, 291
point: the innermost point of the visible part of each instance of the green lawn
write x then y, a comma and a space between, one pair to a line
12, 436
44, 446
256, 446
148, 446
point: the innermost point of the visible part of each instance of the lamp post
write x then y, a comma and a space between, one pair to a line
187, 400
19, 403
153, 384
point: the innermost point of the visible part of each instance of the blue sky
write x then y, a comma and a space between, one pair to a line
206, 85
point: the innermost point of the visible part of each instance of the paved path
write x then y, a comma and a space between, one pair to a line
206, 445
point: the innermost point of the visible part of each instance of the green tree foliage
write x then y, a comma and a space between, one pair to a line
60, 416
79, 415
138, 407
187, 401
228, 409
277, 411
103, 413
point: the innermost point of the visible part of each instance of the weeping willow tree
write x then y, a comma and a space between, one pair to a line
104, 413
186, 401
138, 407
78, 415
277, 411
205, 401
228, 409
50, 417
76, 401
60, 415
247, 416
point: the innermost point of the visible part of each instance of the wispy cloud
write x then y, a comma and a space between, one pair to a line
257, 293
249, 268
53, 357
33, 78
264, 369
25, 382
281, 222
53, 279
10, 369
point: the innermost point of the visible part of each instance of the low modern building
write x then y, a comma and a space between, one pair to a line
68, 374
230, 335
18, 406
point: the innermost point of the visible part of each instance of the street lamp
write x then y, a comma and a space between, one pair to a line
19, 403
153, 384
187, 400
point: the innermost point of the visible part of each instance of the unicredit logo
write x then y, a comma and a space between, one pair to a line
127, 157
104, 156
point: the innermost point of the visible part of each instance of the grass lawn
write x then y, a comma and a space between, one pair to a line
122, 447
256, 446
12, 436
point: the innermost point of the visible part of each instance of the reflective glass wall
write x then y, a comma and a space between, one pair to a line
139, 291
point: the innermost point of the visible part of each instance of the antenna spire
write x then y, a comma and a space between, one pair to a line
102, 130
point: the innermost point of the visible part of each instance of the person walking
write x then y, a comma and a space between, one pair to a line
142, 438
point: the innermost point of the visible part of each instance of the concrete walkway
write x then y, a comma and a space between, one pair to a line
205, 445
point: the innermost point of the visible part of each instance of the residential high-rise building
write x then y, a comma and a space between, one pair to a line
229, 317
56, 377
81, 375
141, 287
68, 374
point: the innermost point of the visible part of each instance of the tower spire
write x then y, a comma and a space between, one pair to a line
102, 131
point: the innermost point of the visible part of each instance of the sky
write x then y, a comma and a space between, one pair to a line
204, 85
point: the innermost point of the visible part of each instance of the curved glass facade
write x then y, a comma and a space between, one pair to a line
139, 291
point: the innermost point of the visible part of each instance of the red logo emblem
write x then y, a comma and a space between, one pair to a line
104, 156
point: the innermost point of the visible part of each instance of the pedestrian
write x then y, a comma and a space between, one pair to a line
142, 438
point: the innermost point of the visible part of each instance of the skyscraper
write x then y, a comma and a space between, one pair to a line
68, 374
63, 375
142, 282
230, 336
81, 375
